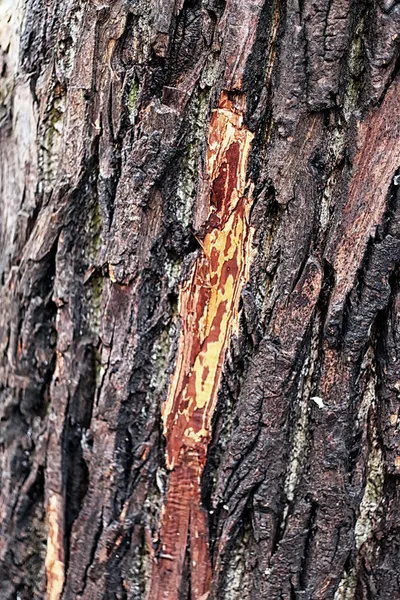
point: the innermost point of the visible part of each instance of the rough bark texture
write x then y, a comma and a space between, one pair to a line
200, 299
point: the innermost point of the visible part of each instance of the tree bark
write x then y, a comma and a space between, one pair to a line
200, 299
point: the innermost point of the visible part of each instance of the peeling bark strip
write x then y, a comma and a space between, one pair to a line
376, 161
208, 303
55, 549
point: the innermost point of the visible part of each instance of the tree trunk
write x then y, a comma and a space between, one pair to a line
200, 299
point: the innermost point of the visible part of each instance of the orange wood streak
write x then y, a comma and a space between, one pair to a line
208, 305
55, 564
183, 519
208, 301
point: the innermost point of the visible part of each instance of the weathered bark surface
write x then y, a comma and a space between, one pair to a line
200, 299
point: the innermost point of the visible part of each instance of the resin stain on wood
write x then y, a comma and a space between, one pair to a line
208, 304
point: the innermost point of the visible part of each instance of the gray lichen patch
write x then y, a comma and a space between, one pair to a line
95, 305
237, 584
355, 67
94, 229
370, 505
300, 441
51, 139
373, 493
69, 39
336, 153
132, 98
162, 357
188, 181
172, 272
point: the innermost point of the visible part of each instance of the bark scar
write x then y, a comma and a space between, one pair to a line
55, 565
208, 305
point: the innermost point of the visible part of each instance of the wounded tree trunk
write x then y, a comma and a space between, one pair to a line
200, 299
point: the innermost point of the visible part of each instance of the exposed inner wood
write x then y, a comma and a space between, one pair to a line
55, 549
208, 304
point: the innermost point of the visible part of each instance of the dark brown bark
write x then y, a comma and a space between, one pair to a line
199, 325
